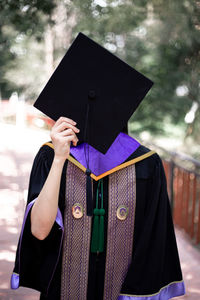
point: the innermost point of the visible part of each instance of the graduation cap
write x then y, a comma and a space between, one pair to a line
90, 82
96, 89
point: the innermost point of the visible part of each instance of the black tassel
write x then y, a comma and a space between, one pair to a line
89, 192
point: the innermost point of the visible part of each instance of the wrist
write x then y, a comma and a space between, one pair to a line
58, 160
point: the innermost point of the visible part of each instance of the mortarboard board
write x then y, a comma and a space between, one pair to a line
98, 91
94, 88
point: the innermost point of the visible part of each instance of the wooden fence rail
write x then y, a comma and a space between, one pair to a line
184, 193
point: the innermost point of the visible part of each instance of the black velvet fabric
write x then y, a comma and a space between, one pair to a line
155, 261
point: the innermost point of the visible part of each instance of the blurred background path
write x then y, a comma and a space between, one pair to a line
17, 149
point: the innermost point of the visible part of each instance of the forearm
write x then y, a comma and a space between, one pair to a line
44, 210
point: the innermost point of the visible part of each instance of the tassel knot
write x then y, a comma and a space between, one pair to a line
101, 212
88, 172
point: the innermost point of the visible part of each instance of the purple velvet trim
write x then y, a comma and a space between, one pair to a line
99, 163
170, 291
14, 281
59, 220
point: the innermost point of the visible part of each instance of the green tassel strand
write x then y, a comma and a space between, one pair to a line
97, 243
95, 232
101, 230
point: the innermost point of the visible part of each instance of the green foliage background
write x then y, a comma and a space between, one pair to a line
159, 38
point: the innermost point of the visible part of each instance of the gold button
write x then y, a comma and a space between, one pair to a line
77, 211
122, 212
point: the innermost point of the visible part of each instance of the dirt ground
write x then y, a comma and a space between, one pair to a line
18, 147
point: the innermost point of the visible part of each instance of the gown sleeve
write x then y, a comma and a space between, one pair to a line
155, 271
36, 260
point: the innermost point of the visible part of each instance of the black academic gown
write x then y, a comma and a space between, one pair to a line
155, 261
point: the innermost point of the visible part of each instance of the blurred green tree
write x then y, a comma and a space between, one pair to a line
34, 35
19, 20
161, 39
